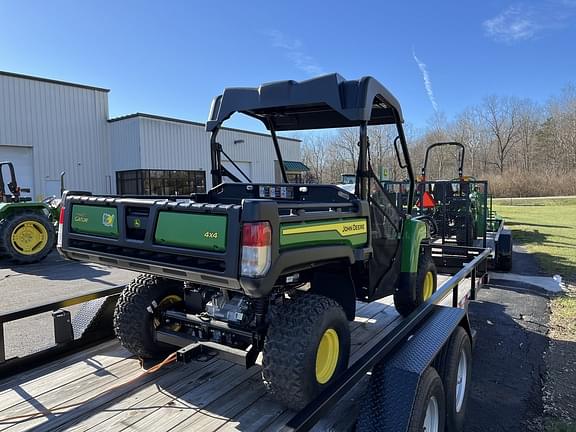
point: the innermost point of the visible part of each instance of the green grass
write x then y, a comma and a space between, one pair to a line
546, 228
559, 426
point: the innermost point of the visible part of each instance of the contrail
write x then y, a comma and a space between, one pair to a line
427, 82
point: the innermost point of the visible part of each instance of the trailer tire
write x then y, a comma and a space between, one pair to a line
17, 230
406, 300
455, 370
429, 404
504, 263
135, 313
307, 345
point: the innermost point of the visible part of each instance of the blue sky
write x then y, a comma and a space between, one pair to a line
170, 58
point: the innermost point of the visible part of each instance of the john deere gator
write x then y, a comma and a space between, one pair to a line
250, 268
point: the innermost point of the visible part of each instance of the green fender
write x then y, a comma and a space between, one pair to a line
413, 232
6, 209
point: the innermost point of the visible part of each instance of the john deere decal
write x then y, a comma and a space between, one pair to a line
357, 226
107, 219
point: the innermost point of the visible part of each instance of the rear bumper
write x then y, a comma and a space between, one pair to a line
145, 266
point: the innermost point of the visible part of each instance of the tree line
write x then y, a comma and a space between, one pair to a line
521, 147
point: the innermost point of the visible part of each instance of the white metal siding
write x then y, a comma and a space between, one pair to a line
173, 145
66, 127
125, 144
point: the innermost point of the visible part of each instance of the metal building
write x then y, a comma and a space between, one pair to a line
150, 142
49, 126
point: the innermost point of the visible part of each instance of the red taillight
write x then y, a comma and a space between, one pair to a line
256, 251
60, 228
256, 234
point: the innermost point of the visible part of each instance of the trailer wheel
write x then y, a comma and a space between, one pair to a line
26, 237
455, 370
429, 409
307, 345
504, 262
406, 300
137, 313
504, 251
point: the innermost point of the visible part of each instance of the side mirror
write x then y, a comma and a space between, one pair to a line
402, 164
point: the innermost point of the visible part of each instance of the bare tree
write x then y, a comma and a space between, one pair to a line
501, 114
528, 125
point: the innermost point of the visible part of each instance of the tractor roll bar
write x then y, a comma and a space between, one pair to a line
447, 143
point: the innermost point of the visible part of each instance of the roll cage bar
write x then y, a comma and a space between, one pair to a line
441, 144
13, 188
328, 101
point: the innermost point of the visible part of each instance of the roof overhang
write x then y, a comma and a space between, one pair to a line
328, 101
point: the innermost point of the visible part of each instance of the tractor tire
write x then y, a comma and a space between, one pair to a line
429, 409
455, 370
307, 345
406, 299
136, 317
26, 237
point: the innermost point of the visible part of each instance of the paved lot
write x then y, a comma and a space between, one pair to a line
49, 280
509, 366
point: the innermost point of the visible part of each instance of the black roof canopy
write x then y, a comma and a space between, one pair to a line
328, 101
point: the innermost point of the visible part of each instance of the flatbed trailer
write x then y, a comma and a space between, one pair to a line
104, 387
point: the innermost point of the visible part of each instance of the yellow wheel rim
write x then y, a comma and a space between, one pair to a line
428, 289
166, 302
29, 237
327, 356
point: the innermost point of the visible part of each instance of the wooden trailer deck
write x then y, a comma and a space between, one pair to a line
104, 388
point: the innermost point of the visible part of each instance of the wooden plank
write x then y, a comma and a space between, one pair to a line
57, 365
78, 392
261, 416
189, 403
94, 366
123, 409
229, 406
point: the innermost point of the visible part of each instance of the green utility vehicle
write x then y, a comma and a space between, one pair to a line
27, 232
251, 268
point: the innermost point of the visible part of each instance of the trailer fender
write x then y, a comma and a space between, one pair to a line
387, 405
504, 243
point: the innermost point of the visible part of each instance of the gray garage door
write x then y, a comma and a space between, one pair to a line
21, 157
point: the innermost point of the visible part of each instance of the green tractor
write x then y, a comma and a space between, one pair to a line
261, 268
27, 231
455, 206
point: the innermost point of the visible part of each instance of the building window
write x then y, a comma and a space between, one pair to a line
160, 182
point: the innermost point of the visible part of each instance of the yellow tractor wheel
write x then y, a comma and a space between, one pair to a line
26, 237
